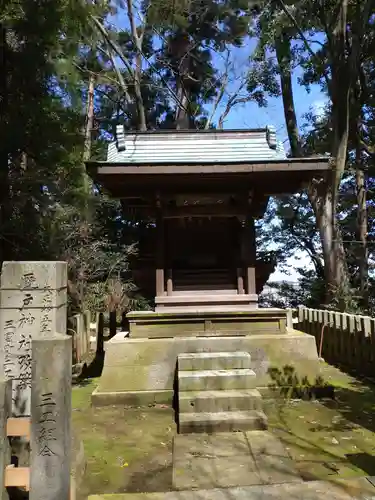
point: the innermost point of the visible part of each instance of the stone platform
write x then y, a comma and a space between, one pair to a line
142, 371
150, 324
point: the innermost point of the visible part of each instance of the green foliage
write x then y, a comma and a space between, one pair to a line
291, 386
49, 209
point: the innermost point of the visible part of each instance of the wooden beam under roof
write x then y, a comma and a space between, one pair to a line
295, 165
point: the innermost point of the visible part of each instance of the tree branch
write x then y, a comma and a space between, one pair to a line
303, 38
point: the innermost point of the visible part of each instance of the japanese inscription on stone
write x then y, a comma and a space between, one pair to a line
50, 436
47, 425
29, 304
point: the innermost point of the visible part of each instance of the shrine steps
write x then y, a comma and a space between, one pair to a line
216, 393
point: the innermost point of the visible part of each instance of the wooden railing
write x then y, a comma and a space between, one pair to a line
344, 339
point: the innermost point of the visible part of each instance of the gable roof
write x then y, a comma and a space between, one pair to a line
195, 146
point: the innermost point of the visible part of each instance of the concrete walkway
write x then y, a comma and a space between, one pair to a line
223, 460
251, 465
360, 489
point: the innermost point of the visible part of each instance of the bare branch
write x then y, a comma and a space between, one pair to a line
233, 101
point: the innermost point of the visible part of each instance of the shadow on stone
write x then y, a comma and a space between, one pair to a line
175, 397
363, 461
355, 404
94, 369
290, 386
151, 479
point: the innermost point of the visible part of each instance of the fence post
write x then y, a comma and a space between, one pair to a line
50, 440
112, 324
289, 318
87, 318
300, 316
100, 335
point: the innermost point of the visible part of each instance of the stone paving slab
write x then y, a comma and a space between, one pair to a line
210, 445
272, 459
359, 489
224, 472
231, 459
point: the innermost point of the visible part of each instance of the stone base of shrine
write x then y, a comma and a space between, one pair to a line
150, 324
200, 302
142, 371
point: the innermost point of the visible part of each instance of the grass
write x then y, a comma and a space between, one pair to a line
330, 439
130, 450
125, 449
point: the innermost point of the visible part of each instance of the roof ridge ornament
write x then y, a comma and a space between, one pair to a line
271, 136
120, 138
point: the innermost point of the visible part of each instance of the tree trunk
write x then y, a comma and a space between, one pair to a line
321, 195
181, 49
362, 234
138, 91
283, 54
137, 35
89, 122
5, 206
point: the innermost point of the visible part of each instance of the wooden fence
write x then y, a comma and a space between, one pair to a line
343, 339
79, 329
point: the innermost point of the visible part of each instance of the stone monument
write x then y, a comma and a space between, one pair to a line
51, 409
33, 299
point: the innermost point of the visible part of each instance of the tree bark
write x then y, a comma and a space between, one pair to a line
5, 207
320, 193
180, 51
89, 122
362, 234
283, 55
138, 42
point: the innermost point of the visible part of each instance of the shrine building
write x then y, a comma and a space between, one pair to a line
200, 193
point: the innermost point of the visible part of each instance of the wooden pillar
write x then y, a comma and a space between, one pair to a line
240, 284
159, 253
169, 282
250, 257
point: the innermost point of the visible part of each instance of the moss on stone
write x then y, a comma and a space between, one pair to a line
126, 449
328, 439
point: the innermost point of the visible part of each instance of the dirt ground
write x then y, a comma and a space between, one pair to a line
130, 450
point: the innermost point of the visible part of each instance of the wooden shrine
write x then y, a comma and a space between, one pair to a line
199, 193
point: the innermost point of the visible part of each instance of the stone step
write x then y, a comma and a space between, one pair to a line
220, 401
216, 380
214, 360
228, 421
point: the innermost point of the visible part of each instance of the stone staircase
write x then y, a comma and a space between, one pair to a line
216, 393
